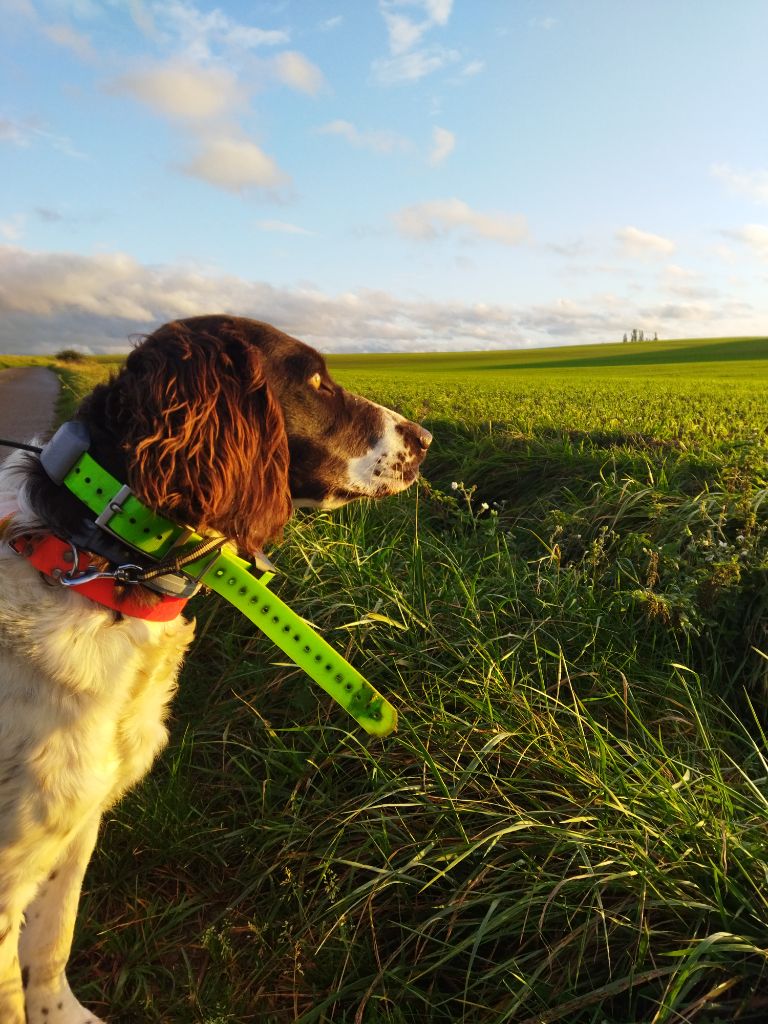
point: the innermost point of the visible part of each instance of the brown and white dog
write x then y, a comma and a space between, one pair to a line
216, 422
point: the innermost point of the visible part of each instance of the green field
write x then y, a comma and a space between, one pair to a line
693, 391
571, 614
659, 357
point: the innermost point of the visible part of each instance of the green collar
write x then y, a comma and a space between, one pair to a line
119, 512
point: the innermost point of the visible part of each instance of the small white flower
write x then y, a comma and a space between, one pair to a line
454, 486
484, 507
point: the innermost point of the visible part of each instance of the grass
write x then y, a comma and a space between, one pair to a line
570, 824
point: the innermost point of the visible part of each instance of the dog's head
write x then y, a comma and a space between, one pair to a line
226, 423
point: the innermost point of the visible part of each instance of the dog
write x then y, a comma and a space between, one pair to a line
219, 423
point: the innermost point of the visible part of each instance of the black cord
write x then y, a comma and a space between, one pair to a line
18, 444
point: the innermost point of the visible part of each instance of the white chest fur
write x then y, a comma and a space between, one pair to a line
83, 700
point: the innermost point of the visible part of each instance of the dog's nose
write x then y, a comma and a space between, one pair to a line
417, 437
424, 437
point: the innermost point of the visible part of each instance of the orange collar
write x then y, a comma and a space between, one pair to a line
54, 557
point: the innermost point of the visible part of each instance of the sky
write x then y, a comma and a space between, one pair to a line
383, 175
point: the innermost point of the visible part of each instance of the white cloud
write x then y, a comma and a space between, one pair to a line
443, 144
199, 33
143, 19
45, 284
25, 133
676, 273
294, 70
182, 90
14, 133
69, 39
378, 142
282, 227
564, 318
700, 312
546, 24
402, 30
13, 229
202, 98
410, 67
635, 242
331, 23
439, 217
404, 33
475, 67
52, 299
236, 164
753, 235
753, 184
724, 253
22, 8
439, 11
686, 284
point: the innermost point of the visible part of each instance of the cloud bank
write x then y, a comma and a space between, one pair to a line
50, 301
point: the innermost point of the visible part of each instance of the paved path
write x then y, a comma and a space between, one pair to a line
27, 398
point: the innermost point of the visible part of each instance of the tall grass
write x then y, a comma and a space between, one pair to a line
570, 824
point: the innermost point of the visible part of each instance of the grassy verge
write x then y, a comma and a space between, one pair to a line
570, 824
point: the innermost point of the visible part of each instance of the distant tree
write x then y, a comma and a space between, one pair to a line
625, 337
70, 355
655, 336
641, 338
634, 334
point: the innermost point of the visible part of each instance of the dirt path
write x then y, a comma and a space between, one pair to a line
27, 398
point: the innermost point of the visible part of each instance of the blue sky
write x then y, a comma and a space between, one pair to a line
383, 174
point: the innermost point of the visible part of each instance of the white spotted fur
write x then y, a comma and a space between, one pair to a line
82, 703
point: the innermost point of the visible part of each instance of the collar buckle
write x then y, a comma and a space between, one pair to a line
113, 506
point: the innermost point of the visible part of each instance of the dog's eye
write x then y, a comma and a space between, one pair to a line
317, 382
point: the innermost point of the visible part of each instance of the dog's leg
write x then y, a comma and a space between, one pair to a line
11, 994
46, 938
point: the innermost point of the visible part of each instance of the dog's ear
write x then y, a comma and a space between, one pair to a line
203, 435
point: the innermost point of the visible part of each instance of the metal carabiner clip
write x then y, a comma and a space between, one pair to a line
121, 574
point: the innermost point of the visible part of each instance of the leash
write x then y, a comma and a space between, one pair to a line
180, 551
18, 444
